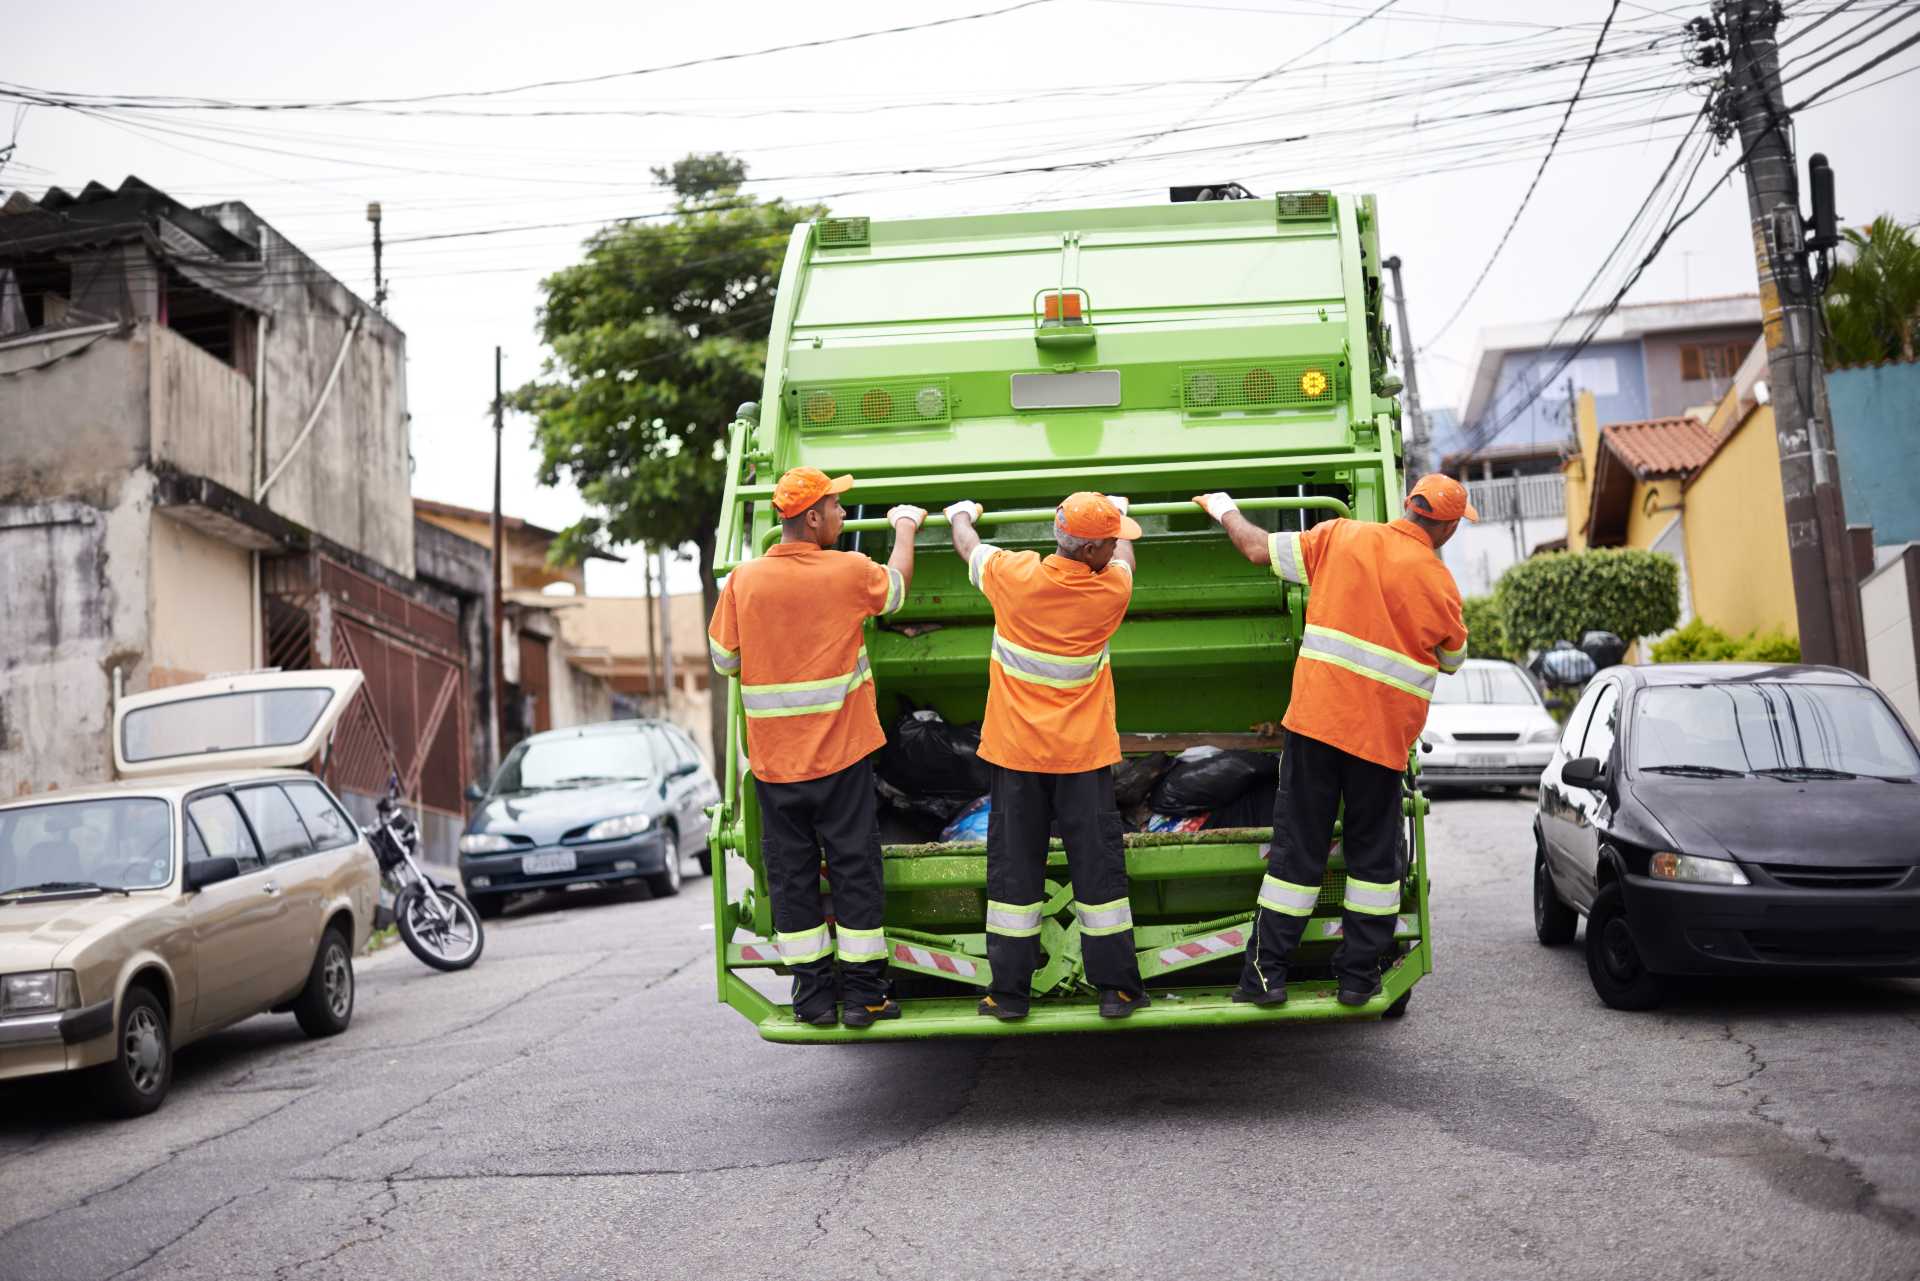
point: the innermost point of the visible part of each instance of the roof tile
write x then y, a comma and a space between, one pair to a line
1662, 446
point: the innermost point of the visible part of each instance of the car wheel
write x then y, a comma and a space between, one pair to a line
488, 905
1613, 962
325, 1005
706, 862
1553, 921
136, 1081
666, 883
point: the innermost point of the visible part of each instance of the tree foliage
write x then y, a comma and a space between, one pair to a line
656, 337
1873, 301
1701, 642
1625, 590
1486, 629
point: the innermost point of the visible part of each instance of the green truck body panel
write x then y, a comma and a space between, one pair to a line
1187, 347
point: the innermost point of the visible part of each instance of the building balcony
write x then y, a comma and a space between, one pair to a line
1510, 498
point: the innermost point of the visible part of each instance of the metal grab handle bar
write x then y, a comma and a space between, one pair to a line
1311, 502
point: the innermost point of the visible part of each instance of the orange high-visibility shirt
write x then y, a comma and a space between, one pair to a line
1383, 621
1050, 689
791, 625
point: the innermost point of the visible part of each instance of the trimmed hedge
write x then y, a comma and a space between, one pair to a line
1702, 642
1558, 596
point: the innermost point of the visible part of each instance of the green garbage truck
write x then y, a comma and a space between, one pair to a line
1157, 352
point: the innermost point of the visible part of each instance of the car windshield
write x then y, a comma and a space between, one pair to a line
570, 762
1502, 684
1760, 726
117, 844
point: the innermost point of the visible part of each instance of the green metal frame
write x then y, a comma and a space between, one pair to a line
1193, 893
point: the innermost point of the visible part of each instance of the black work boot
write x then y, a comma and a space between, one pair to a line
994, 1010
819, 1018
854, 1014
1115, 1004
1352, 994
1254, 996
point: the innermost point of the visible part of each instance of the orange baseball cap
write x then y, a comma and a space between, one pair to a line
802, 487
1089, 515
1446, 498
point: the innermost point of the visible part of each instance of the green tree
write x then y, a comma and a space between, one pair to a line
1486, 629
1873, 301
1624, 590
657, 335
1701, 642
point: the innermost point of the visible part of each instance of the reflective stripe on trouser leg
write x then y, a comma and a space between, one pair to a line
803, 945
1285, 896
1097, 919
1377, 898
1019, 921
860, 945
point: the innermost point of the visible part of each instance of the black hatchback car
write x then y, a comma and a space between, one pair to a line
611, 803
1722, 818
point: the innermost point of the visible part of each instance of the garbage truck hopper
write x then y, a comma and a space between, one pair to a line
1155, 352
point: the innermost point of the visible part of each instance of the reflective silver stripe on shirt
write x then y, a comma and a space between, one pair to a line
1062, 670
860, 945
1373, 661
801, 698
1286, 897
1015, 920
803, 945
1450, 659
1104, 918
977, 563
725, 661
1375, 898
896, 590
1289, 562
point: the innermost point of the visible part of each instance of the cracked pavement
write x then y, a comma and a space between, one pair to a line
577, 1106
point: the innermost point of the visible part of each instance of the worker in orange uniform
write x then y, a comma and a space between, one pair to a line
790, 626
1051, 739
1383, 621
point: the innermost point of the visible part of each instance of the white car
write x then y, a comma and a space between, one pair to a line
212, 883
1487, 727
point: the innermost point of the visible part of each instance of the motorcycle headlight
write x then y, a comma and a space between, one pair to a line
1550, 734
484, 843
38, 992
1667, 866
626, 825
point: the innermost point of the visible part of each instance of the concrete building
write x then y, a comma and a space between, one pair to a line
203, 468
620, 638
1647, 361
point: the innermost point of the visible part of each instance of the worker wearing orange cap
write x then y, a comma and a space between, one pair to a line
1383, 621
791, 627
1051, 739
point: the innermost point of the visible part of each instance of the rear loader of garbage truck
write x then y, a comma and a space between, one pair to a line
1155, 352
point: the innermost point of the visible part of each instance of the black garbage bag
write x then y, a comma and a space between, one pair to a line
924, 815
926, 756
1134, 777
1204, 779
1254, 808
1604, 648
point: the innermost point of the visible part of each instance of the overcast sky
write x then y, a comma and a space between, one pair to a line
1443, 108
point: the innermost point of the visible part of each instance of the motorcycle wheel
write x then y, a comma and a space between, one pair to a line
449, 941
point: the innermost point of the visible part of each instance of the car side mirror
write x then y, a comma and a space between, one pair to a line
475, 793
211, 871
683, 769
1583, 772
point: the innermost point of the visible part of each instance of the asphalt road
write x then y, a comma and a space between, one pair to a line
577, 1106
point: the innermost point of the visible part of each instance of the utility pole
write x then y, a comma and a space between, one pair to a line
1825, 593
1418, 464
666, 639
653, 643
499, 608
379, 281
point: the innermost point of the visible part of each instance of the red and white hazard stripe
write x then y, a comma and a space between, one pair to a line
1209, 945
758, 952
939, 962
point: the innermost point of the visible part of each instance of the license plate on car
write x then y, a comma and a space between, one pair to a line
1490, 760
547, 864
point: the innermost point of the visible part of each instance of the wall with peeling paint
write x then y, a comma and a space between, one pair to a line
201, 591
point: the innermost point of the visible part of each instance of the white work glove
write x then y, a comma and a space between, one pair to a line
907, 511
1217, 504
1119, 502
967, 507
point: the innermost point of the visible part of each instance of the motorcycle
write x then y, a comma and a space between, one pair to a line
436, 922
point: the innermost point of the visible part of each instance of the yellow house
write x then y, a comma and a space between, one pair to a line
1703, 488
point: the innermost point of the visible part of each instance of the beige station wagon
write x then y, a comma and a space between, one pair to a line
210, 884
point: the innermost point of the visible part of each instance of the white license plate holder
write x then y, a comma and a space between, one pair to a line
1489, 760
549, 863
